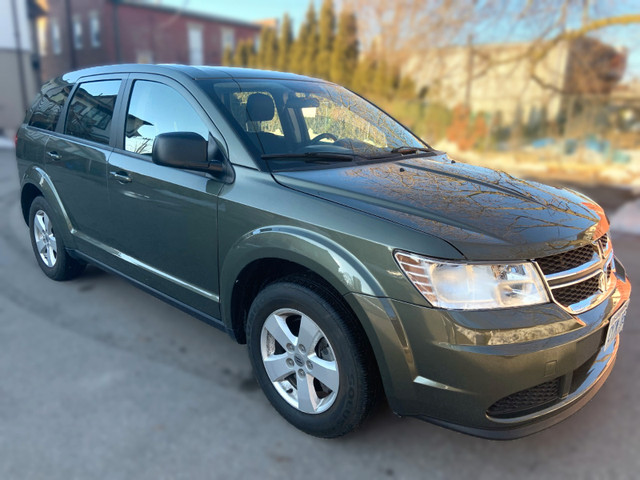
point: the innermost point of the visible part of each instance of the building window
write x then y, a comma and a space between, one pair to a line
196, 47
77, 32
56, 41
42, 35
228, 38
94, 29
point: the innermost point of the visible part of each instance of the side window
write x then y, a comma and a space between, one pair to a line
46, 109
155, 108
91, 110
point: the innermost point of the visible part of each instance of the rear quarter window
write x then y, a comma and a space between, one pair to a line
45, 111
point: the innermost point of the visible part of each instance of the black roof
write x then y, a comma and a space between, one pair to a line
190, 71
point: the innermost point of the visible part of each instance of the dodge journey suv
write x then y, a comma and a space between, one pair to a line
352, 258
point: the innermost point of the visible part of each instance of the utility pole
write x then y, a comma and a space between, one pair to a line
18, 41
72, 46
116, 32
586, 4
467, 94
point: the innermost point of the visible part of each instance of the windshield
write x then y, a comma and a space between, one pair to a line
291, 117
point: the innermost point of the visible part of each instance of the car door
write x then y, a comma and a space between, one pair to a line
41, 121
76, 157
166, 218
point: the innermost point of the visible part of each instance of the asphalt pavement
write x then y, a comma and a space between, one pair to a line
101, 380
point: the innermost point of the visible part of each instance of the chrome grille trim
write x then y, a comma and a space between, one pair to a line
601, 266
578, 271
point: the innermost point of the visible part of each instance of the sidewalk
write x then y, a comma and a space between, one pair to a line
5, 143
627, 218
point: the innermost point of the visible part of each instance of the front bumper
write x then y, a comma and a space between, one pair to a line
441, 366
509, 428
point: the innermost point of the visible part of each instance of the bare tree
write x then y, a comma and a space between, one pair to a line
401, 30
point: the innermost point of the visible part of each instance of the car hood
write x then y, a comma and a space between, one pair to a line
485, 214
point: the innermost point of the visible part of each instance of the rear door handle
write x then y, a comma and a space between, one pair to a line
54, 155
122, 177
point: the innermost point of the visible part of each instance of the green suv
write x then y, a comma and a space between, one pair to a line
351, 257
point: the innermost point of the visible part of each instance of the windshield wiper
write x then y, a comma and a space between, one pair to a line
340, 157
407, 150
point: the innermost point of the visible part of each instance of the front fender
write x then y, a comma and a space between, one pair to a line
319, 254
346, 274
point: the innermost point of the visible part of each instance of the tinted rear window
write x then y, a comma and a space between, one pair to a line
91, 110
46, 109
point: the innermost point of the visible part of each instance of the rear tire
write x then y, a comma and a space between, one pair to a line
300, 334
48, 246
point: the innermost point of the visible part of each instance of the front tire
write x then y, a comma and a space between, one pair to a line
311, 357
48, 245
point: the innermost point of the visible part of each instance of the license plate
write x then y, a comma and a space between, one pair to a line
615, 325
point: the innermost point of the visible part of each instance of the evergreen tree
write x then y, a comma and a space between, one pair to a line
262, 48
243, 50
394, 78
363, 75
285, 42
407, 88
227, 56
382, 80
326, 36
268, 49
296, 57
344, 57
251, 54
310, 44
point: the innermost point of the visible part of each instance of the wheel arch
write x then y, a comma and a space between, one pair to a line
37, 183
270, 253
27, 196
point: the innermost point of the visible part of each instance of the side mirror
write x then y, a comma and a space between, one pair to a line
180, 149
190, 151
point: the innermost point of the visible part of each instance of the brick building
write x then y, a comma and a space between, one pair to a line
82, 33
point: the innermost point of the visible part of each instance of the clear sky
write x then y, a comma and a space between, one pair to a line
248, 9
251, 10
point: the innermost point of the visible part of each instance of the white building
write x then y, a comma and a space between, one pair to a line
17, 82
502, 77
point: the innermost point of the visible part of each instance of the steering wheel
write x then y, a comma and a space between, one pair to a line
322, 136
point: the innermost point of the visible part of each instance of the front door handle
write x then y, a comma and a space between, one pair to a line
122, 177
54, 155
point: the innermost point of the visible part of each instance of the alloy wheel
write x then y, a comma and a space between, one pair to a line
300, 361
45, 238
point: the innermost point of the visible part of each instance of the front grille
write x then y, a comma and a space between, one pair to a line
526, 401
563, 272
603, 241
577, 292
562, 262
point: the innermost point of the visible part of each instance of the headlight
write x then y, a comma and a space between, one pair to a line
468, 286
